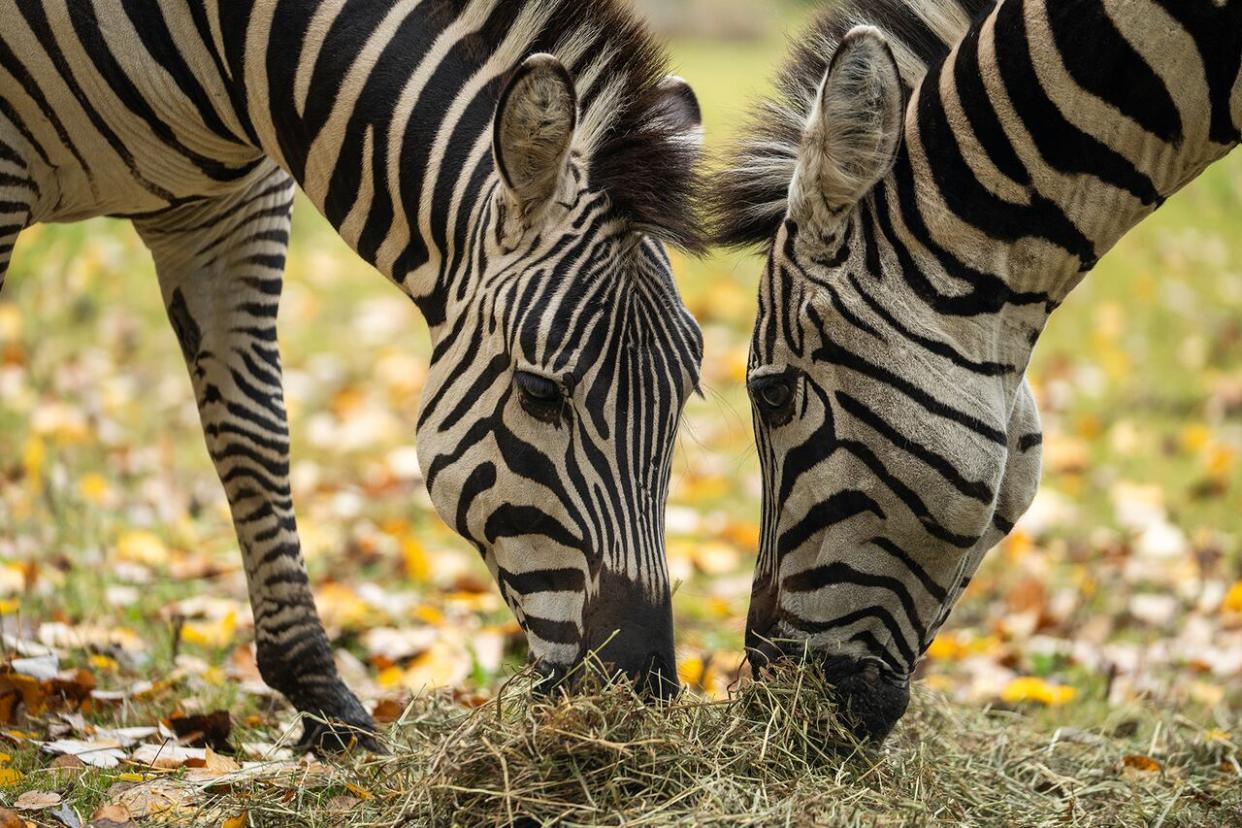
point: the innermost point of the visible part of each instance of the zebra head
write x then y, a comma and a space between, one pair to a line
896, 436
562, 366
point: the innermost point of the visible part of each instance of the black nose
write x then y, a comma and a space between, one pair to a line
631, 633
871, 702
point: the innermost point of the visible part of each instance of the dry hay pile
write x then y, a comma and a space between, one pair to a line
772, 755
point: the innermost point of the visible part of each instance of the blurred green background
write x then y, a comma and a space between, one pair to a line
1121, 587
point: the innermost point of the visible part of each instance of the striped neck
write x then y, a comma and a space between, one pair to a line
383, 111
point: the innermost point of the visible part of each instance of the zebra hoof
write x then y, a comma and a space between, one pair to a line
346, 731
325, 737
334, 721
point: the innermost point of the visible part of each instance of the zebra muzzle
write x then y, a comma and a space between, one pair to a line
629, 633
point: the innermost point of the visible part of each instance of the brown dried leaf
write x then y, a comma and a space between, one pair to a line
159, 796
206, 730
1142, 763
37, 800
212, 766
111, 816
74, 685
67, 766
387, 711
16, 689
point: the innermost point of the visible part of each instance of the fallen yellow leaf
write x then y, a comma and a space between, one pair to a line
9, 777
93, 487
945, 648
428, 614
1031, 689
140, 546
217, 633
442, 665
390, 677
1018, 545
415, 557
341, 607
742, 534
1195, 437
10, 322
103, 662
33, 458
690, 670
239, 821
1233, 600
1219, 460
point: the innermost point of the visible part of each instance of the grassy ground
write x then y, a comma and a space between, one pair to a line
1092, 676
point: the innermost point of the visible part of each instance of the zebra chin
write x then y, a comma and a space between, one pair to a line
627, 634
870, 697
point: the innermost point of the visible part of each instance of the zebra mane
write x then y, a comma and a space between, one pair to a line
637, 154
748, 196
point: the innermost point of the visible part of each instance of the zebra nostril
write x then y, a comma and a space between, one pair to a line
871, 702
870, 672
550, 677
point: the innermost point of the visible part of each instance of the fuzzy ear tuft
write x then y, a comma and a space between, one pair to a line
652, 170
533, 131
853, 133
678, 108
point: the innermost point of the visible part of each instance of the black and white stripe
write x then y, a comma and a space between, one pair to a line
515, 167
931, 180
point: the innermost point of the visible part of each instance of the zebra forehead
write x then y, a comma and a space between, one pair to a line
747, 199
630, 322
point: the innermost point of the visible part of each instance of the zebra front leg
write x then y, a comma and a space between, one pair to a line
220, 268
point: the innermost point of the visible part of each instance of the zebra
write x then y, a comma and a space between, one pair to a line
929, 181
518, 169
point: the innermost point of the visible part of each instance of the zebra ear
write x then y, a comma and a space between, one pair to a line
533, 131
677, 109
853, 134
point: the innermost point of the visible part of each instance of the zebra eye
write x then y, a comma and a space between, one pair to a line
539, 394
773, 396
